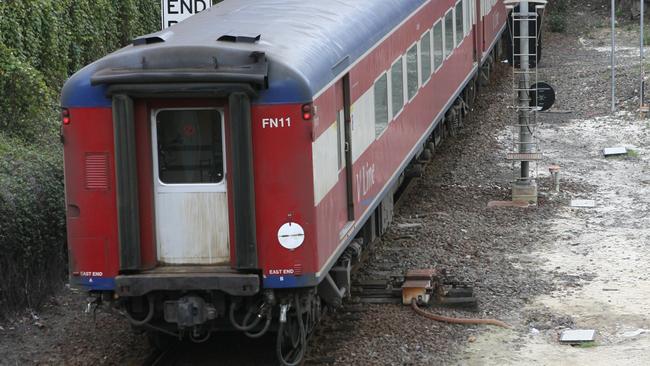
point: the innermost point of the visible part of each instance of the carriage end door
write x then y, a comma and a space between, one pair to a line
190, 189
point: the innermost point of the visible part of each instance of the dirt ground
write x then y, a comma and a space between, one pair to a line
541, 269
606, 245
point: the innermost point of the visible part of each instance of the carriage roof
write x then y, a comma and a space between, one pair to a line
307, 43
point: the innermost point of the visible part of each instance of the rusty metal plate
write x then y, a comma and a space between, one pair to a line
418, 293
421, 274
524, 156
425, 284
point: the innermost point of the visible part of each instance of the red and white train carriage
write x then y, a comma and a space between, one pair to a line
217, 171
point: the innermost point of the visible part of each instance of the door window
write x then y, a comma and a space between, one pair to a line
190, 146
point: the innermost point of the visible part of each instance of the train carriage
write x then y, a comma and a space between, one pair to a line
229, 170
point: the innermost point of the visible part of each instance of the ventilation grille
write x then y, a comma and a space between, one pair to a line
297, 269
97, 171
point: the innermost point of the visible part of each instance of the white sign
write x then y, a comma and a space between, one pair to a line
291, 235
175, 11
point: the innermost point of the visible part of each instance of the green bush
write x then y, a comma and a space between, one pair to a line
27, 104
32, 233
42, 42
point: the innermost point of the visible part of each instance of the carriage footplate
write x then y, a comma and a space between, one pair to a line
427, 286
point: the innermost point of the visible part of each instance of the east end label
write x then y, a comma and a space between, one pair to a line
91, 274
273, 123
279, 272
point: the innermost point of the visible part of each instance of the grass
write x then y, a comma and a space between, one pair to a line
587, 345
631, 153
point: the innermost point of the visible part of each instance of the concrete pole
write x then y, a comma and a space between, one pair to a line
613, 56
525, 137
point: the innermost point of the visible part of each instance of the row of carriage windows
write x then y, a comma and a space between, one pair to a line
401, 83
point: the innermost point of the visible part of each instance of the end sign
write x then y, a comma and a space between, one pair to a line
175, 11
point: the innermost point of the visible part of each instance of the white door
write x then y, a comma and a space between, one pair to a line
190, 186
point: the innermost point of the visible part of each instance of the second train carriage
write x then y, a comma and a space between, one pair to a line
217, 171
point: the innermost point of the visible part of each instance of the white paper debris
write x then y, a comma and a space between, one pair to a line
578, 335
610, 151
635, 333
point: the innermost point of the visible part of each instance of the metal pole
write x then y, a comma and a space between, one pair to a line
641, 53
525, 136
613, 57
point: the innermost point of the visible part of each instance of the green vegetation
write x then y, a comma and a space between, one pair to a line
631, 153
42, 42
32, 233
587, 345
557, 17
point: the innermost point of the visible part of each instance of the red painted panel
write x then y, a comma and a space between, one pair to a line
91, 212
326, 111
283, 185
478, 30
493, 22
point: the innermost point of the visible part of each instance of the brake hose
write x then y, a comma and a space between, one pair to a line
267, 325
244, 327
303, 339
147, 318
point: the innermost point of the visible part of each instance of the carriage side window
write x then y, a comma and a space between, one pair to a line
412, 85
459, 23
397, 86
438, 40
449, 33
381, 104
190, 146
340, 138
468, 7
425, 56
